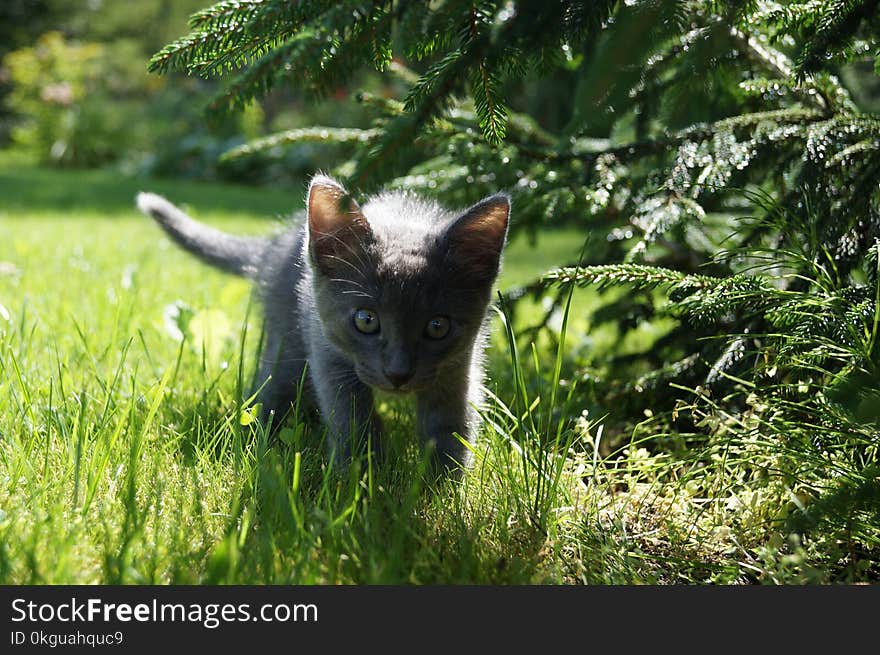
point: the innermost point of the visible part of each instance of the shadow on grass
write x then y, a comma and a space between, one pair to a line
31, 191
850, 511
295, 520
390, 524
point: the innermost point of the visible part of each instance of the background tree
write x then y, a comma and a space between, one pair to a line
74, 91
655, 127
21, 21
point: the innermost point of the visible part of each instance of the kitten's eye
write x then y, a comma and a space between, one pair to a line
366, 321
437, 327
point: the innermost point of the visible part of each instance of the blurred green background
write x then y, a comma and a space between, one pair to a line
75, 93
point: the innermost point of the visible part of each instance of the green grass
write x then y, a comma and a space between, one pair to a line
127, 457
122, 456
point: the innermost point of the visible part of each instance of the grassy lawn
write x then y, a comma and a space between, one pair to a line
127, 457
122, 454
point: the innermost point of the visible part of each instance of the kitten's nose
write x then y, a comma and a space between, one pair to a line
398, 377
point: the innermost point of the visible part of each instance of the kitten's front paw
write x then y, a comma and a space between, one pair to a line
449, 459
343, 449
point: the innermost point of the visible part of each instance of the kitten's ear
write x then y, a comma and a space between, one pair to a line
476, 238
337, 227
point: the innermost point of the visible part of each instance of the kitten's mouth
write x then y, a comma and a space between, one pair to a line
386, 386
390, 388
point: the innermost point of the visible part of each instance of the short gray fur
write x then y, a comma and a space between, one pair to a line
404, 259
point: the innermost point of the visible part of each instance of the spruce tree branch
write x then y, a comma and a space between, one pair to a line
640, 149
301, 135
779, 66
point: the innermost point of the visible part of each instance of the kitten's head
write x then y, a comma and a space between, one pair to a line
402, 285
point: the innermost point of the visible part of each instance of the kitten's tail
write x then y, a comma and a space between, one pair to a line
239, 255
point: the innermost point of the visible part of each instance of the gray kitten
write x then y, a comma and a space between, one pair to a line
389, 296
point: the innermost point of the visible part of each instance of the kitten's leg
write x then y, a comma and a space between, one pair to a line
351, 423
444, 411
278, 381
346, 405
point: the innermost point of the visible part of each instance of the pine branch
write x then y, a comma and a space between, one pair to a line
487, 101
636, 276
303, 135
268, 70
223, 13
834, 30
231, 34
